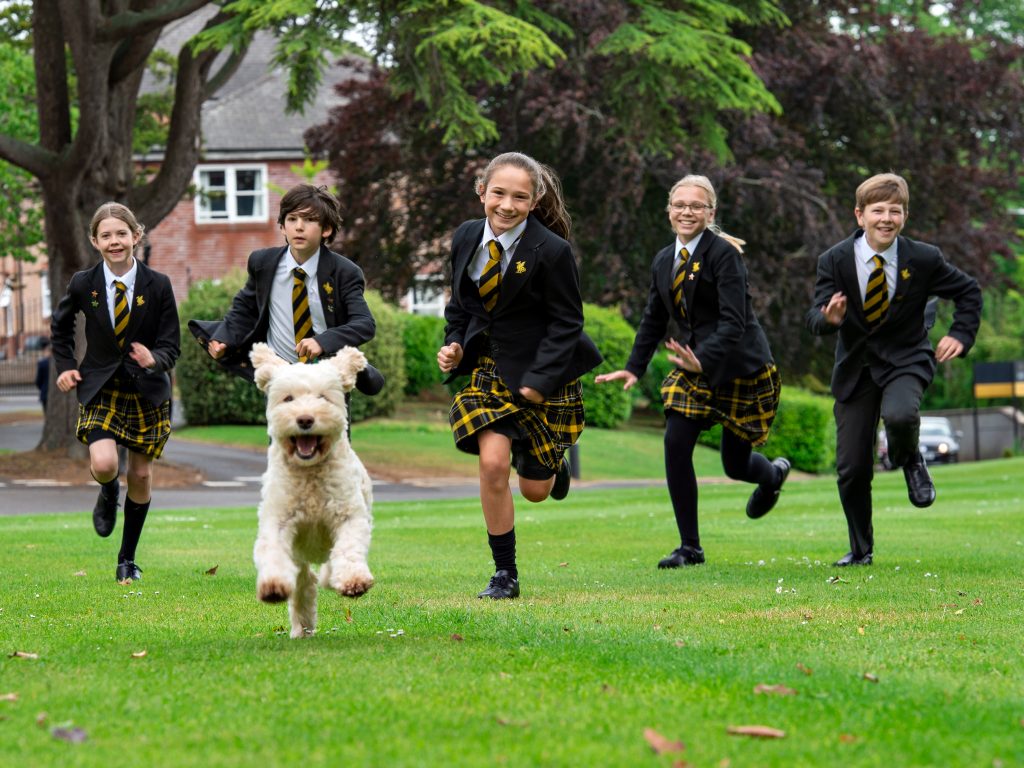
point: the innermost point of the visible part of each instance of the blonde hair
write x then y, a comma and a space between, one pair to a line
703, 182
547, 189
882, 188
115, 211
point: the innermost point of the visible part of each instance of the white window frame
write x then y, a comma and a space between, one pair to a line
435, 306
204, 216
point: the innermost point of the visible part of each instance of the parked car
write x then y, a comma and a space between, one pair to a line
939, 443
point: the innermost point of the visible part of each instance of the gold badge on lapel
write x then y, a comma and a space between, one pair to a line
139, 301
520, 267
95, 294
330, 307
328, 289
905, 274
696, 266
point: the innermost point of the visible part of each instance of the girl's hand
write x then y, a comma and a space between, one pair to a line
531, 394
449, 357
627, 378
683, 357
68, 380
142, 356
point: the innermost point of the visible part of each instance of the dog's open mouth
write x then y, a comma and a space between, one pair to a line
307, 447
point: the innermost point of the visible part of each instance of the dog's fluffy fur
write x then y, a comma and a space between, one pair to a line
316, 499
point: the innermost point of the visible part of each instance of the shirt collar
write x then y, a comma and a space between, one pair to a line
309, 266
127, 279
865, 253
507, 239
691, 247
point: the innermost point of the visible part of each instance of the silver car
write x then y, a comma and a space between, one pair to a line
939, 443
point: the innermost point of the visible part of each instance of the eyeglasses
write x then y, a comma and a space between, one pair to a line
693, 207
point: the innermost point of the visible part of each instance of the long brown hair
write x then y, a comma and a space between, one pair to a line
547, 190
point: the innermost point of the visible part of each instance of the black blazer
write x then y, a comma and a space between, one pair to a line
720, 325
536, 328
153, 322
341, 285
900, 344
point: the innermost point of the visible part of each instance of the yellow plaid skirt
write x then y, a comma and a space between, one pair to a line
746, 407
547, 429
134, 422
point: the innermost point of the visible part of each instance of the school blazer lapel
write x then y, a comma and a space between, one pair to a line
520, 268
326, 287
663, 277
140, 302
904, 274
848, 283
465, 253
694, 267
98, 303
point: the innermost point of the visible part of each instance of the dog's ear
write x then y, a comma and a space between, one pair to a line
349, 361
264, 361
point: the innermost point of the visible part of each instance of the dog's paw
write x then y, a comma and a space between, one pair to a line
353, 584
273, 591
300, 631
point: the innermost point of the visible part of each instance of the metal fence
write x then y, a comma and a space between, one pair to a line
23, 332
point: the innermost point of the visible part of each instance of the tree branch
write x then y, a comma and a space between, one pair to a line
214, 83
52, 102
36, 160
135, 23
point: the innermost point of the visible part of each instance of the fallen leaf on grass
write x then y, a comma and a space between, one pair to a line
848, 738
514, 723
41, 719
977, 601
12, 696
72, 735
860, 630
211, 571
806, 670
777, 690
957, 613
457, 637
139, 654
23, 655
562, 565
756, 731
660, 744
835, 579
79, 573
125, 582
680, 644
348, 614
871, 677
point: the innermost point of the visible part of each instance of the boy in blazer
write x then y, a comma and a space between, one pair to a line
335, 315
124, 390
724, 368
515, 323
872, 289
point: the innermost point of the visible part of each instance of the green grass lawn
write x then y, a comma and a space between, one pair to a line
422, 444
915, 661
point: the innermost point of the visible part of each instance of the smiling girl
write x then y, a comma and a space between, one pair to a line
124, 390
515, 323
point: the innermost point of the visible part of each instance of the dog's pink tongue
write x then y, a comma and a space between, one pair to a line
305, 445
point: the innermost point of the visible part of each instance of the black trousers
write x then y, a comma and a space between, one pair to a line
898, 403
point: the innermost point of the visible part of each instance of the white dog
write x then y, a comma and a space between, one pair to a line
316, 499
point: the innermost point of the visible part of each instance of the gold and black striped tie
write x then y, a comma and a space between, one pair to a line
876, 296
300, 308
490, 279
121, 312
677, 282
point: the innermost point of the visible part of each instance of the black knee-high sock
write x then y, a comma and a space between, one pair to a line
108, 487
680, 438
503, 549
134, 519
741, 462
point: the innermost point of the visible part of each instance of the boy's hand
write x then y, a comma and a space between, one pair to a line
142, 356
309, 349
947, 349
626, 377
216, 349
68, 380
835, 310
449, 357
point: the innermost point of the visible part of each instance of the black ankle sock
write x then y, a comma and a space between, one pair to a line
503, 549
131, 531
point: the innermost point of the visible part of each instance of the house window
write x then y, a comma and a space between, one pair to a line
231, 193
426, 295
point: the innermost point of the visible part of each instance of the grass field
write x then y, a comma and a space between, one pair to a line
915, 661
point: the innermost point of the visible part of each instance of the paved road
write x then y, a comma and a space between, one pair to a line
232, 475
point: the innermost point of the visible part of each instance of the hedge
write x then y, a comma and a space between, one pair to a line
387, 352
804, 431
607, 405
422, 336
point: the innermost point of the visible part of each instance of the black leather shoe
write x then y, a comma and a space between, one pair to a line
563, 478
369, 381
761, 502
685, 555
851, 559
104, 514
920, 487
128, 570
501, 587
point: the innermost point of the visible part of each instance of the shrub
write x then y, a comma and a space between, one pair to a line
422, 336
649, 385
209, 394
607, 405
803, 431
387, 352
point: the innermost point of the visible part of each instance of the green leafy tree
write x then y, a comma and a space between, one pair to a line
90, 56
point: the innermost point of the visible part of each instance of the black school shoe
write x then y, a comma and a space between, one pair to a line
104, 514
128, 570
762, 502
851, 559
563, 479
501, 587
684, 555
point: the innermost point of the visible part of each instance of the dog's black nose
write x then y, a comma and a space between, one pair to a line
304, 422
